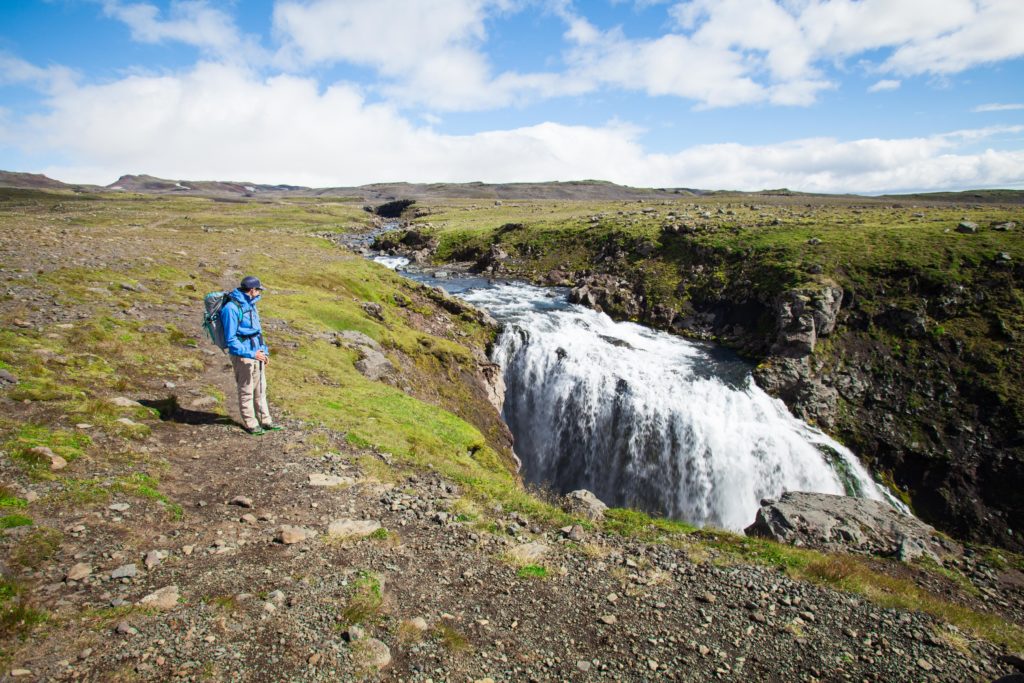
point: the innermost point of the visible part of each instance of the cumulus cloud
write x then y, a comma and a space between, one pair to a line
717, 53
220, 121
885, 84
194, 22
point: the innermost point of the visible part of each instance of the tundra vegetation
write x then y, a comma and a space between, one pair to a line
99, 299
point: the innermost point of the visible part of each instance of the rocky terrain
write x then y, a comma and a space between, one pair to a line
383, 534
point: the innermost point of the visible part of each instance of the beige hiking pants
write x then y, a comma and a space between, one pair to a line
251, 378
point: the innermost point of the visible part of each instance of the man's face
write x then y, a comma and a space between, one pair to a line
253, 293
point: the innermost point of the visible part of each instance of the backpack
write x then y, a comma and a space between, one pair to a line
213, 302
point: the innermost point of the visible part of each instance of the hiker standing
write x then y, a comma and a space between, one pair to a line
243, 338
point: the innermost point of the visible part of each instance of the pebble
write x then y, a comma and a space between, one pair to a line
153, 558
609, 619
241, 501
289, 535
18, 673
125, 571
925, 664
708, 598
120, 507
125, 629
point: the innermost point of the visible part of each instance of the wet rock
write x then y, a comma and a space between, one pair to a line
829, 522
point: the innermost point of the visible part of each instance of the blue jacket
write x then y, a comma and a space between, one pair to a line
243, 333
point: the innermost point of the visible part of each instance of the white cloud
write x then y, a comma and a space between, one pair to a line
430, 52
194, 22
998, 107
49, 79
219, 121
885, 84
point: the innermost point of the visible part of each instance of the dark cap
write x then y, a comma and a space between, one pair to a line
250, 282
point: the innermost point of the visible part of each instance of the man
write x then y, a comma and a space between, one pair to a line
243, 336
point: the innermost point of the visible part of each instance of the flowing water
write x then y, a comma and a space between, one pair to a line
645, 419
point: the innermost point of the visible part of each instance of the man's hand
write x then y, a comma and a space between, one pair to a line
262, 357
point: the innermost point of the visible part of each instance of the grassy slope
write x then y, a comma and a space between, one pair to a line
65, 370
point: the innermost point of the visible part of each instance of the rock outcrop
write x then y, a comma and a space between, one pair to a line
842, 523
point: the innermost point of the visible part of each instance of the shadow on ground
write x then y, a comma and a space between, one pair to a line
171, 411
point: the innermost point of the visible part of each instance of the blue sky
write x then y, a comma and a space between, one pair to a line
865, 96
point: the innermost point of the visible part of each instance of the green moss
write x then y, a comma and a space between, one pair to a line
36, 548
532, 571
636, 524
23, 438
365, 601
11, 521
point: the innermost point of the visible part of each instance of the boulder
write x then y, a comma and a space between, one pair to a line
164, 599
318, 479
967, 227
374, 310
529, 553
842, 523
78, 572
585, 504
289, 535
352, 528
124, 402
371, 653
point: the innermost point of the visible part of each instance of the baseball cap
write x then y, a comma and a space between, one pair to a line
251, 282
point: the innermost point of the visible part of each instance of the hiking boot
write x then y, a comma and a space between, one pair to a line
255, 431
272, 428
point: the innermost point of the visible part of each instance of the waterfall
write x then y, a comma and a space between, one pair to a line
648, 420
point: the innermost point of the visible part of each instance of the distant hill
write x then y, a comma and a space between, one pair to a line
576, 190
30, 181
148, 184
972, 196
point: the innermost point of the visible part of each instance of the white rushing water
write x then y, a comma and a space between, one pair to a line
648, 420
392, 262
